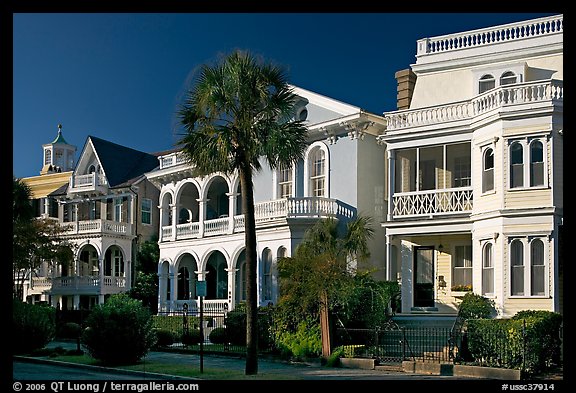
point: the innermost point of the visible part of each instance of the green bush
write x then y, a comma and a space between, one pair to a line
119, 331
529, 341
164, 337
191, 337
70, 330
305, 342
475, 306
334, 358
33, 326
218, 336
236, 326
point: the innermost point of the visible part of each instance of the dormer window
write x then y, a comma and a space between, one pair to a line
302, 114
486, 83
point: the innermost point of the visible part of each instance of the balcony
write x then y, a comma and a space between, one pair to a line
508, 97
87, 285
97, 226
432, 202
264, 212
91, 182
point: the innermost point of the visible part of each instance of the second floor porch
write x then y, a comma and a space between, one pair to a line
267, 212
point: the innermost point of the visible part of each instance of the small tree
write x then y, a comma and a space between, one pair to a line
119, 331
33, 326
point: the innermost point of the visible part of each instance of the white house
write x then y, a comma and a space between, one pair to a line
474, 173
202, 228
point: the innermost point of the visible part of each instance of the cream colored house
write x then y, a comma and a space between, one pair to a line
474, 170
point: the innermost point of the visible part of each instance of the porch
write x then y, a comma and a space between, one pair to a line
94, 285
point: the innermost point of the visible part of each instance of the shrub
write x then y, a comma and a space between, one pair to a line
164, 337
334, 358
192, 337
69, 330
305, 342
218, 336
119, 331
33, 326
475, 306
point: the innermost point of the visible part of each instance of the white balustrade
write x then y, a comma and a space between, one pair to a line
503, 96
188, 230
420, 203
498, 34
218, 226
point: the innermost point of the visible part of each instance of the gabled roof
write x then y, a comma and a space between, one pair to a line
120, 163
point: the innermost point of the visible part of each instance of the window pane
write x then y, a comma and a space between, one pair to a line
537, 268
487, 271
507, 78
517, 262
463, 266
517, 175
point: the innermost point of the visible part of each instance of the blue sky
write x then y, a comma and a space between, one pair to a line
122, 76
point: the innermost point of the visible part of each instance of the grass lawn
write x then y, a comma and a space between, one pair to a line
182, 370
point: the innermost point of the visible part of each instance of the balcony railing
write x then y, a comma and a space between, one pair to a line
432, 202
93, 284
212, 306
172, 159
504, 96
482, 37
311, 207
97, 226
88, 182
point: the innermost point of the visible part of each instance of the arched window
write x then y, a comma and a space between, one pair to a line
285, 182
536, 164
508, 78
486, 83
517, 264
317, 168
488, 170
537, 268
183, 283
516, 165
487, 270
267, 275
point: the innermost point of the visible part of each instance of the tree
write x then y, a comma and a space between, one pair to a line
145, 286
34, 240
238, 115
319, 277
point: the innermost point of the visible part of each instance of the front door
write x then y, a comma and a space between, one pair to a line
423, 277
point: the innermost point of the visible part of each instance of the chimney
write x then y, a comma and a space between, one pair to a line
406, 80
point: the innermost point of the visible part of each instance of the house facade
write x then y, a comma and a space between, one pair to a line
202, 227
474, 170
108, 207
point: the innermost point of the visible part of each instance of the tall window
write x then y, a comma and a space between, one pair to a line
183, 283
508, 78
516, 165
47, 157
267, 275
462, 275
146, 211
487, 270
488, 171
537, 271
486, 83
241, 277
118, 209
517, 264
317, 173
118, 263
285, 182
536, 164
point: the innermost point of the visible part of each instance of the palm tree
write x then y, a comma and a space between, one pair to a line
320, 275
239, 112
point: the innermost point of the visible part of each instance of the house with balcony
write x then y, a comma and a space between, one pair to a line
107, 207
201, 231
474, 170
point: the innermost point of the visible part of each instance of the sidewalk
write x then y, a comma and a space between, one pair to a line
273, 369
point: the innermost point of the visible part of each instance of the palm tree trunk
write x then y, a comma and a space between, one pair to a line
325, 326
246, 187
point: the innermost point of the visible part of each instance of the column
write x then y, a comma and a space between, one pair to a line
391, 180
161, 290
389, 259
201, 216
76, 302
231, 210
172, 302
406, 287
174, 208
231, 288
128, 274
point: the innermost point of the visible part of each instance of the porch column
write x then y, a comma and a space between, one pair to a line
76, 302
128, 275
100, 299
101, 274
161, 289
391, 181
56, 302
172, 302
174, 208
201, 217
389, 259
231, 210
231, 288
406, 287
104, 209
